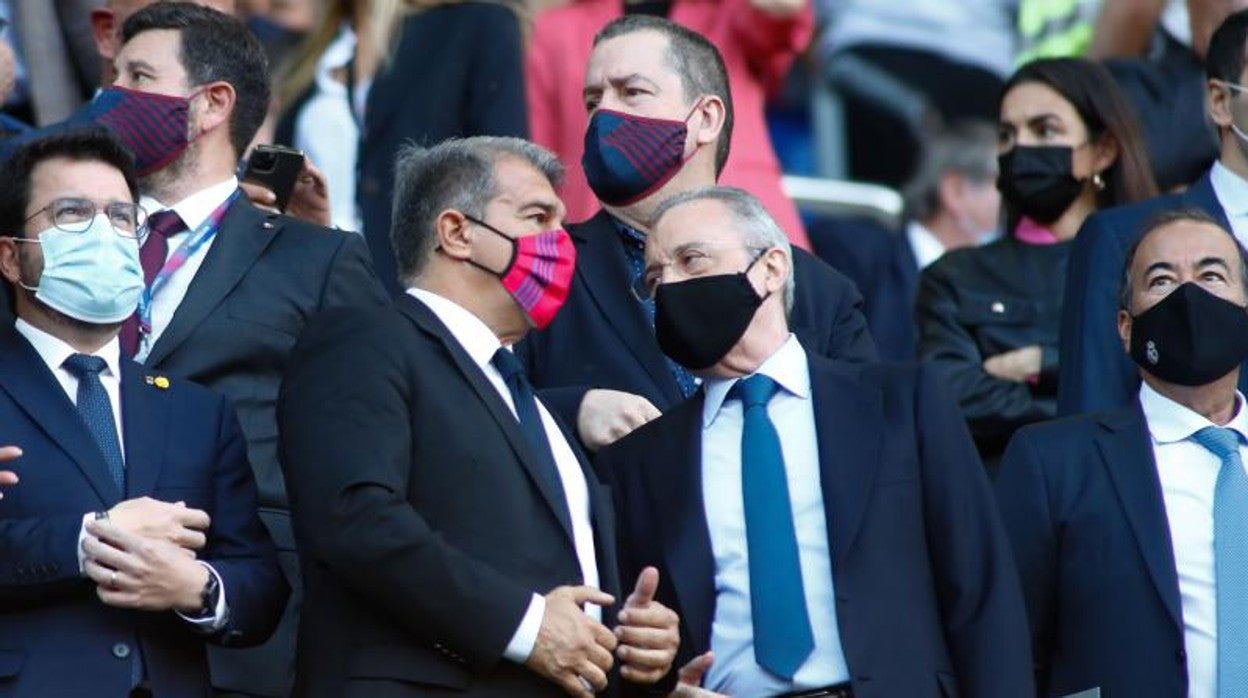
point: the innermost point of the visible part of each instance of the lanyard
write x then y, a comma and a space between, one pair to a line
197, 239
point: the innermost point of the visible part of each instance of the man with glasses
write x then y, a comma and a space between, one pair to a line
825, 528
134, 539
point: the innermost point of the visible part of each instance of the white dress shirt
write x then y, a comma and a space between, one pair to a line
1188, 473
1231, 191
54, 352
480, 342
927, 247
735, 671
193, 210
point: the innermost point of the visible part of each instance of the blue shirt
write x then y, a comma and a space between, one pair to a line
735, 671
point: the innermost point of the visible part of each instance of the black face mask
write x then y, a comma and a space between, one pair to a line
1038, 181
697, 322
1191, 337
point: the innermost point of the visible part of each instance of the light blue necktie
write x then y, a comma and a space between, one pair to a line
782, 635
97, 412
1230, 552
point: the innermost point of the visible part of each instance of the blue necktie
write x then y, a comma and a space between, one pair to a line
1230, 554
531, 424
97, 412
782, 635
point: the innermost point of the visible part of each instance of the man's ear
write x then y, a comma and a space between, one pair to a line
1219, 97
451, 230
778, 267
104, 30
709, 120
219, 102
1124, 330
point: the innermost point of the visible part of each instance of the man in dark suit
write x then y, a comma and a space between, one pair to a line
598, 364
449, 529
122, 601
230, 287
1095, 375
1128, 525
824, 528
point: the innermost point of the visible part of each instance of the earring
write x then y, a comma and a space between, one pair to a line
1098, 181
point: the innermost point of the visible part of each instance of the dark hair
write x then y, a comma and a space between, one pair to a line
215, 47
1091, 90
458, 174
1161, 219
1225, 58
694, 58
92, 144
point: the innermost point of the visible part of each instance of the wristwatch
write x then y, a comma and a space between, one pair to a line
210, 595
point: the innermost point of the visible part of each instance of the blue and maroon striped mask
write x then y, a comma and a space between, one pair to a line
154, 127
628, 157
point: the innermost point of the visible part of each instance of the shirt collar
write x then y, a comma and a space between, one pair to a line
927, 247
474, 335
54, 350
195, 209
1230, 189
787, 367
1170, 422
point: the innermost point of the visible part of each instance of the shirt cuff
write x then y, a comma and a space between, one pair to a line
82, 535
525, 637
220, 614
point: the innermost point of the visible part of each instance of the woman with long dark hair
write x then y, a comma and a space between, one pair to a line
1068, 146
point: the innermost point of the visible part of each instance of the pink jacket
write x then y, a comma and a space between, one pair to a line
757, 48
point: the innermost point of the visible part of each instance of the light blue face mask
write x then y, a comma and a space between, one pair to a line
93, 276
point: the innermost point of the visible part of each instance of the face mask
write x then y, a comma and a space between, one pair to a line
698, 321
1191, 337
153, 127
539, 275
93, 276
628, 158
1038, 180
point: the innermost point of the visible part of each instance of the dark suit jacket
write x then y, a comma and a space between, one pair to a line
928, 602
423, 530
457, 71
881, 264
1096, 372
182, 444
1083, 509
262, 280
601, 337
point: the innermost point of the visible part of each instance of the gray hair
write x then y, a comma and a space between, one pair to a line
968, 148
759, 230
458, 174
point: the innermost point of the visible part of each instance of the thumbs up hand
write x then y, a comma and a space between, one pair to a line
647, 632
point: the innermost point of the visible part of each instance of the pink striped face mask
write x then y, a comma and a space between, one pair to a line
539, 274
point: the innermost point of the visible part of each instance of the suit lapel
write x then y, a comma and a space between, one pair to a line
243, 236
676, 486
1125, 451
603, 268
27, 379
848, 426
145, 421
430, 324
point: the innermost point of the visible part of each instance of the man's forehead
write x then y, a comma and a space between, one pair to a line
1184, 242
643, 53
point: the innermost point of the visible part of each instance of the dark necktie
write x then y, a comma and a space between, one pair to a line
152, 255
1230, 558
782, 635
531, 424
97, 412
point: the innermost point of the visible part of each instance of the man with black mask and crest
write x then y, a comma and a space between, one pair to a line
824, 528
1129, 526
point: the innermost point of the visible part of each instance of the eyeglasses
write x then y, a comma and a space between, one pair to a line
73, 215
690, 260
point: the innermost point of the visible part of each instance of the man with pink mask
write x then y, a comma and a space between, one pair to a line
451, 532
